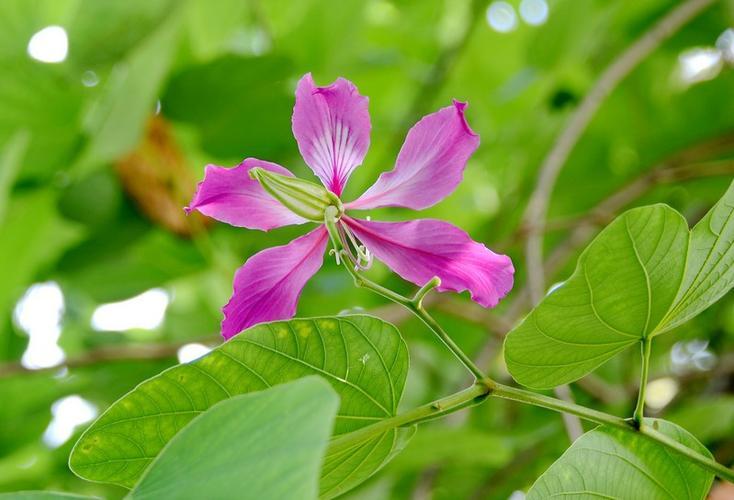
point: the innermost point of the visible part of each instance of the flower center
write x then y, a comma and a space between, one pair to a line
304, 198
358, 254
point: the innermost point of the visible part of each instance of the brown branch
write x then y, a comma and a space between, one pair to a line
153, 351
551, 167
110, 354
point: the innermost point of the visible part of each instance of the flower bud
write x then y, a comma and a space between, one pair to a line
307, 199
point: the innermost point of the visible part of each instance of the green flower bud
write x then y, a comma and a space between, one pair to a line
307, 199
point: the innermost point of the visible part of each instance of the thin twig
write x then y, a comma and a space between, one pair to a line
537, 208
551, 167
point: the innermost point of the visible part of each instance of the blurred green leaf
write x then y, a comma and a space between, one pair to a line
274, 452
11, 159
41, 495
455, 447
212, 27
232, 121
45, 101
120, 262
32, 236
94, 200
709, 419
104, 32
116, 123
611, 463
362, 357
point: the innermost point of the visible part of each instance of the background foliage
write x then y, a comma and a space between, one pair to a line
99, 153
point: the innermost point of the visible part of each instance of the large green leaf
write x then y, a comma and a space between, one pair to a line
710, 267
362, 357
623, 286
643, 275
611, 463
264, 445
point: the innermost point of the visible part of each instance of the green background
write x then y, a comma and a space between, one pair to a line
92, 181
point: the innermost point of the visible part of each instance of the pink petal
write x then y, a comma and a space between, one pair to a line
421, 249
230, 195
332, 127
430, 164
267, 287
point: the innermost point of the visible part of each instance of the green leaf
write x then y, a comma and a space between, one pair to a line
623, 285
345, 468
105, 32
645, 274
269, 444
11, 159
32, 236
363, 358
611, 463
698, 416
455, 447
710, 268
116, 123
44, 100
209, 96
212, 28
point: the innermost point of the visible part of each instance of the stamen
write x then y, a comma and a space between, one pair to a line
337, 255
363, 258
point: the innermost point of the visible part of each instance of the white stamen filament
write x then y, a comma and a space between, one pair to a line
363, 259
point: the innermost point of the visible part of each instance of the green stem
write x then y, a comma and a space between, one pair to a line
414, 305
447, 340
602, 418
470, 396
485, 386
645, 348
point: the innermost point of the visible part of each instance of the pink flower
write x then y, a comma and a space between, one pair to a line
332, 127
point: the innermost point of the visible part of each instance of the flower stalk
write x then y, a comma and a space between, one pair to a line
415, 305
485, 386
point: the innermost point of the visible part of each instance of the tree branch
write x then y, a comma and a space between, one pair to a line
551, 167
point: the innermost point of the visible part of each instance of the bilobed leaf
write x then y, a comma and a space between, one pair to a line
265, 445
611, 463
710, 268
623, 285
645, 274
363, 358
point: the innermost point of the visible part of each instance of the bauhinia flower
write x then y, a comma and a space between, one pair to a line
332, 128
